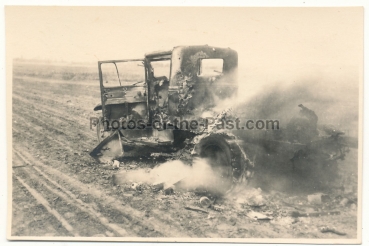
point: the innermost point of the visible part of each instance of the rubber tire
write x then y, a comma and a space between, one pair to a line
217, 150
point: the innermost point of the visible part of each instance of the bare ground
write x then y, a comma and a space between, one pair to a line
59, 190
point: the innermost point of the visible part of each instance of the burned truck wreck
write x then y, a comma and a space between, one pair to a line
157, 104
163, 103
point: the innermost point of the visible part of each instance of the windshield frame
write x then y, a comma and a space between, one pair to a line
102, 87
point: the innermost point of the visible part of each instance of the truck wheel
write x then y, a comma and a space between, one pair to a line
218, 153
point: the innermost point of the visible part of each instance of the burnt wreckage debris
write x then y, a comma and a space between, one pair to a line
156, 95
164, 91
325, 148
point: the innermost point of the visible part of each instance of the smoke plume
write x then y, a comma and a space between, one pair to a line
176, 172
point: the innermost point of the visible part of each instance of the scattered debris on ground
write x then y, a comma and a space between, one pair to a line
326, 229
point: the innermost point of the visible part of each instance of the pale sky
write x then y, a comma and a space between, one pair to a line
286, 35
272, 43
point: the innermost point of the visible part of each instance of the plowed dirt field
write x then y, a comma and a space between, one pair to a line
60, 191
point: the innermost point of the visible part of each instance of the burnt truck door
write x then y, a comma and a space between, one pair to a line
123, 91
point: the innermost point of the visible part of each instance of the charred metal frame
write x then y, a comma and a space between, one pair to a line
187, 95
184, 79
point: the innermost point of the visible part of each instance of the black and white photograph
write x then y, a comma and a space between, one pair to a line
185, 124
